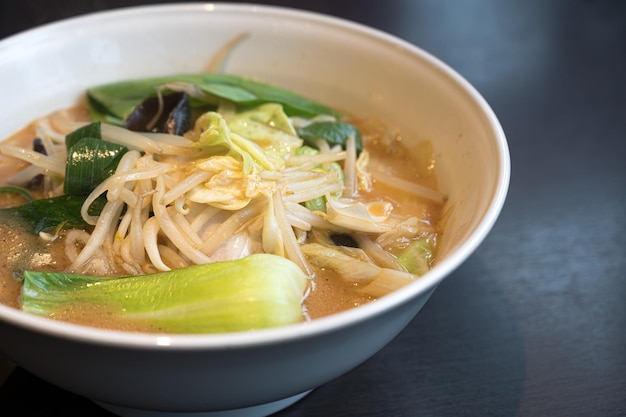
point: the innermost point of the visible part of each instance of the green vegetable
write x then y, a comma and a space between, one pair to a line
91, 130
90, 159
335, 133
417, 257
255, 292
216, 136
52, 213
267, 125
369, 278
115, 101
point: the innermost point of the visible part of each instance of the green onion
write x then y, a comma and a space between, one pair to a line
90, 159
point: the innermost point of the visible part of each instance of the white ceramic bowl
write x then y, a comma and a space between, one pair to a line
343, 64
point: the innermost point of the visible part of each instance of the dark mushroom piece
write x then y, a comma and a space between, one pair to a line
344, 239
171, 113
37, 181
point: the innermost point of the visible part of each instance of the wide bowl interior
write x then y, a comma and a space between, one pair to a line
343, 64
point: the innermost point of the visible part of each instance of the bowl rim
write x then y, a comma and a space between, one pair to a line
311, 328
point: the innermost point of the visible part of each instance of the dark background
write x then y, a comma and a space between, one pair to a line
534, 323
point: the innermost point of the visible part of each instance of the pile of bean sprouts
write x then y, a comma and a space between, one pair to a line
170, 204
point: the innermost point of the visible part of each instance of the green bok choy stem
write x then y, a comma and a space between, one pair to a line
254, 292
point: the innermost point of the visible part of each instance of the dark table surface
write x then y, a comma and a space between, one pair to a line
534, 323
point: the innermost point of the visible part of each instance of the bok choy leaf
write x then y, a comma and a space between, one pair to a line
334, 133
116, 101
53, 213
255, 292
